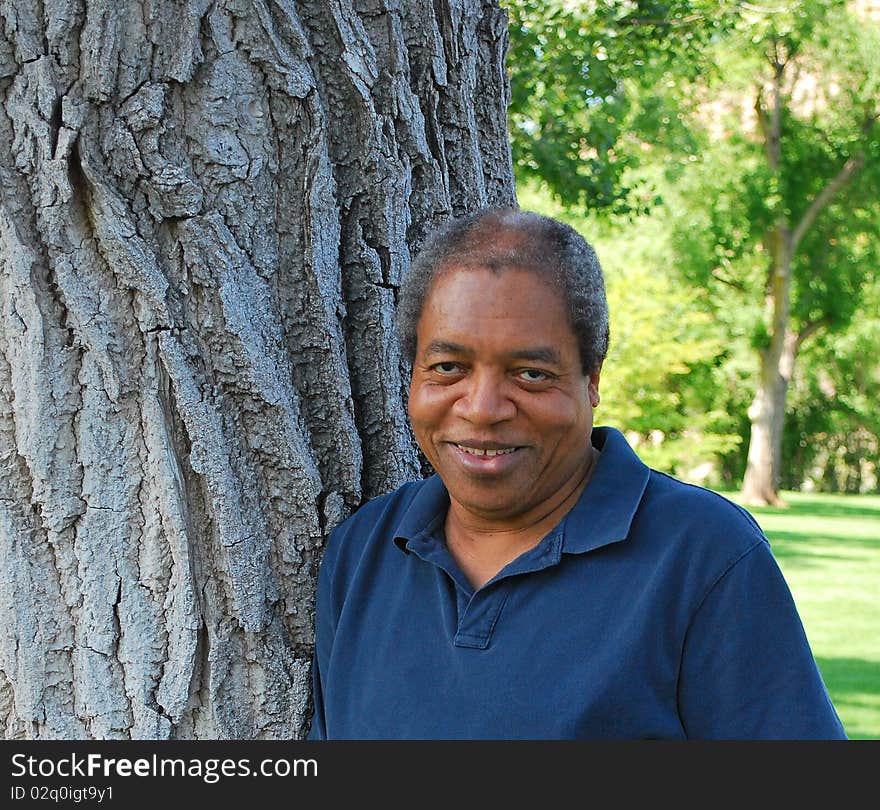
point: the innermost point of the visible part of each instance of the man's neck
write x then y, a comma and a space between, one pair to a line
482, 547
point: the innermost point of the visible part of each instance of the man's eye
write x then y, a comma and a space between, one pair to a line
446, 368
533, 375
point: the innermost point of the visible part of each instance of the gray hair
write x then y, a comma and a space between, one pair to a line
507, 238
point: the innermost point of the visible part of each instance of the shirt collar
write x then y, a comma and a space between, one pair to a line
602, 515
608, 505
426, 511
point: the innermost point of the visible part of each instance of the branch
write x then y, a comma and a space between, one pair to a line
868, 124
761, 10
793, 78
809, 329
761, 112
770, 121
659, 22
736, 285
824, 197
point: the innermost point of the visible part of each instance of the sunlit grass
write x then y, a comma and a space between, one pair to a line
828, 547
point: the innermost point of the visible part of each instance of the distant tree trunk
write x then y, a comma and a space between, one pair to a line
206, 209
767, 415
767, 411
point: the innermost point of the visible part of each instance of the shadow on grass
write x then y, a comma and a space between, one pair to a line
849, 680
848, 523
817, 507
794, 544
802, 549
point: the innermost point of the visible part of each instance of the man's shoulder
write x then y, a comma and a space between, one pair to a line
668, 487
382, 507
696, 534
375, 521
699, 511
668, 506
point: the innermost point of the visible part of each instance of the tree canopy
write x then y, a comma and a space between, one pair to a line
593, 83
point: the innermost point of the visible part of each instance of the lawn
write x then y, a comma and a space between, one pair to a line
828, 547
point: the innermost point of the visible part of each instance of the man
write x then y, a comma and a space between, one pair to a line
544, 583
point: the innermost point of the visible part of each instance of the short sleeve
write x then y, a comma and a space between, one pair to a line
747, 670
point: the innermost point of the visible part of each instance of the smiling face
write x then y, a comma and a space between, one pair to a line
498, 400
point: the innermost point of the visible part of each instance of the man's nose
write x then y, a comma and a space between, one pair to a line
485, 399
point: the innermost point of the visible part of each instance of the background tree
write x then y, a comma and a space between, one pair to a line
206, 208
792, 215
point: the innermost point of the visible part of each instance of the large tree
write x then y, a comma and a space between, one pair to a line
205, 210
817, 111
785, 214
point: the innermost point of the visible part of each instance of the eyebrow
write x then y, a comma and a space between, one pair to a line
443, 347
541, 354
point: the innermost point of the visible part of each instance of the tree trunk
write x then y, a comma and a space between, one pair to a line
767, 415
767, 411
206, 209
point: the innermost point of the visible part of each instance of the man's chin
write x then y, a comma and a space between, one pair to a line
491, 506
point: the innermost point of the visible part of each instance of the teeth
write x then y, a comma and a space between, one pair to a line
476, 451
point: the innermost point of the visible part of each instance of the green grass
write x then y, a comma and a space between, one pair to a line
828, 547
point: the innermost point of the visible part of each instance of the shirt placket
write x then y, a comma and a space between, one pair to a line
478, 611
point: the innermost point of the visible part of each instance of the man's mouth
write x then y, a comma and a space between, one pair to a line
485, 451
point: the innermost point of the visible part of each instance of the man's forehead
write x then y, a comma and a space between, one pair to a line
487, 291
546, 354
470, 265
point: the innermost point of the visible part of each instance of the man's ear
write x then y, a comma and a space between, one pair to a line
593, 387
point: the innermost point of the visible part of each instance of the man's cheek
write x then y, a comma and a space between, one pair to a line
429, 404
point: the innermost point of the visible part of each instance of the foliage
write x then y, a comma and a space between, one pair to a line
594, 83
828, 114
832, 436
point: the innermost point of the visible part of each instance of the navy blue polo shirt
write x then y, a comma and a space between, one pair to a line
655, 609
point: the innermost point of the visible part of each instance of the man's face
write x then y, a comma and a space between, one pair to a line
498, 401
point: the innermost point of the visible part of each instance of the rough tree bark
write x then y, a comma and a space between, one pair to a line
206, 209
